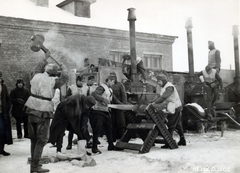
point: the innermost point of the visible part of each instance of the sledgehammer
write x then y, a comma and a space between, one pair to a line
37, 44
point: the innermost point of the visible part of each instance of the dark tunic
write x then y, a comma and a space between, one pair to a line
68, 111
18, 93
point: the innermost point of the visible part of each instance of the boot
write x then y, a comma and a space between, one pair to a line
209, 115
36, 168
95, 150
89, 144
69, 147
165, 146
4, 153
111, 148
182, 141
98, 142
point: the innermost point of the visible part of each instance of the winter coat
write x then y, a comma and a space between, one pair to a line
18, 105
120, 92
6, 105
69, 110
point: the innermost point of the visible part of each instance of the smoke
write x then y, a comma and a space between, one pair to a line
58, 45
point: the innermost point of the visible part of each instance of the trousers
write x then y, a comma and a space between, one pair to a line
175, 122
38, 130
118, 123
19, 121
100, 120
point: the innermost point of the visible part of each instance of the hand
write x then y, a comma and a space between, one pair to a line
83, 129
105, 102
20, 101
47, 54
63, 67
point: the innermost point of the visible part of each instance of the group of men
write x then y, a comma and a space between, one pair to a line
73, 113
82, 105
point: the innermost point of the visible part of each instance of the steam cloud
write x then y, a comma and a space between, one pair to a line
56, 43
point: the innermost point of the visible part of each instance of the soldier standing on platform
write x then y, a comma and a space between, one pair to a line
214, 59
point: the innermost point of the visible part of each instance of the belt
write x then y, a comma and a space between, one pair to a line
41, 97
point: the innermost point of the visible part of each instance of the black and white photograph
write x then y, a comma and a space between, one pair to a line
119, 86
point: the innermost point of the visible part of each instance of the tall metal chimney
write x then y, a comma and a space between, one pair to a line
132, 19
189, 26
234, 91
235, 34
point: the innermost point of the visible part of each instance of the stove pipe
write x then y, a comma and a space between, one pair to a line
235, 34
189, 26
132, 19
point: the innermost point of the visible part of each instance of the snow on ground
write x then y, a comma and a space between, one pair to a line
206, 152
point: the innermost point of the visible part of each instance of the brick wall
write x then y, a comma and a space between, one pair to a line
69, 44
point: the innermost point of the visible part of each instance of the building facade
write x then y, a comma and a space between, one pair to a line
71, 44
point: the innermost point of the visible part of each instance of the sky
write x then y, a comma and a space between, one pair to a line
212, 20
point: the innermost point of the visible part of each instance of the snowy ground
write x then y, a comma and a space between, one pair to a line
206, 152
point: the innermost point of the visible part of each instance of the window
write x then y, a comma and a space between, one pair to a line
152, 61
117, 56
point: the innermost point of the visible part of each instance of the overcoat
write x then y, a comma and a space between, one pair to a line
6, 105
69, 110
18, 107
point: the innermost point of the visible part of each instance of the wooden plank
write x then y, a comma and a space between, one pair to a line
130, 146
148, 126
43, 160
160, 141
